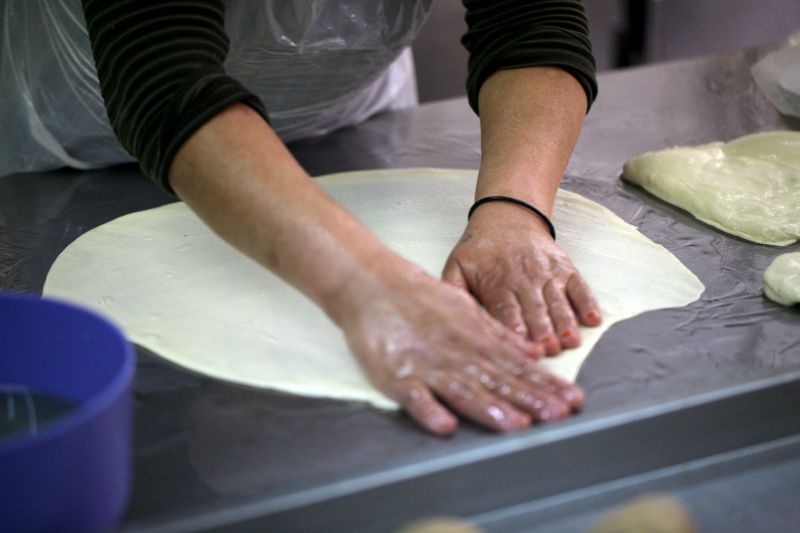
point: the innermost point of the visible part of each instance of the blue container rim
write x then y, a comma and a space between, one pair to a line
87, 410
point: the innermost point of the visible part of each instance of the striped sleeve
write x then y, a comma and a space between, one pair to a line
159, 64
505, 34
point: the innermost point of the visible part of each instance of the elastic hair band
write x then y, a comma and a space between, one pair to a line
513, 201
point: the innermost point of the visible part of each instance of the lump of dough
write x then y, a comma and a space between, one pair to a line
782, 279
749, 187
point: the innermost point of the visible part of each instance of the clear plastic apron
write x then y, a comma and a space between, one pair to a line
317, 64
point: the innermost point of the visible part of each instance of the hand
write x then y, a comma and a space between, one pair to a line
426, 344
434, 350
510, 263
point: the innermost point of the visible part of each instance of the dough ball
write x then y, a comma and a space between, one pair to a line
782, 279
441, 524
650, 513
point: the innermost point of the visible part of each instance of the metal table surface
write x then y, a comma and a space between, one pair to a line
700, 401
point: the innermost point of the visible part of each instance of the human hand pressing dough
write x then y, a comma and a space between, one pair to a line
508, 260
433, 349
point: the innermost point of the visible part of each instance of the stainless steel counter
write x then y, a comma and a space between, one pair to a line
702, 401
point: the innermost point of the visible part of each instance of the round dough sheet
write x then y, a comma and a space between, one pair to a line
180, 291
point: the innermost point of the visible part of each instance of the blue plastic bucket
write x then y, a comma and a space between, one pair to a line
71, 473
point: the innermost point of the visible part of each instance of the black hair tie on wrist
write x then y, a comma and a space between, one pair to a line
514, 201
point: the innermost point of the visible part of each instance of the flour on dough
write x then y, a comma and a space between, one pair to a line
749, 187
782, 279
180, 291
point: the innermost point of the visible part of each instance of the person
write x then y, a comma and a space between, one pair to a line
461, 346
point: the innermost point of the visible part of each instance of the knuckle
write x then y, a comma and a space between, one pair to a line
539, 323
504, 308
554, 288
530, 400
409, 392
563, 314
535, 305
458, 388
533, 264
577, 281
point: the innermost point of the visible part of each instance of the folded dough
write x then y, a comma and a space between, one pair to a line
749, 187
782, 279
180, 291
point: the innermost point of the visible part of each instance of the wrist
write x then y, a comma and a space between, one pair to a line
377, 273
533, 210
508, 216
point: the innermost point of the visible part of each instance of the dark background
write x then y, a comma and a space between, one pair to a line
623, 32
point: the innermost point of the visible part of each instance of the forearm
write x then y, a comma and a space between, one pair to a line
241, 180
531, 79
159, 64
530, 121
413, 335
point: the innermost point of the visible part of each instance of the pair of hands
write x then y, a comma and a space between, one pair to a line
425, 342
433, 347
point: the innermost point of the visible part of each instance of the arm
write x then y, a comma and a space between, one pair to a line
530, 120
423, 342
416, 337
529, 124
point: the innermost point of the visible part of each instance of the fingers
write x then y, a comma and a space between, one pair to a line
537, 317
562, 317
422, 406
544, 406
490, 395
452, 274
503, 306
552, 317
478, 404
512, 341
548, 316
570, 393
543, 403
478, 364
583, 300
535, 376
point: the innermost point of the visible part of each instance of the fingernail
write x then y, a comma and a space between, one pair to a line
520, 420
445, 424
551, 344
570, 339
555, 410
573, 397
558, 409
534, 350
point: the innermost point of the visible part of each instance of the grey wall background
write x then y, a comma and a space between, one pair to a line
624, 33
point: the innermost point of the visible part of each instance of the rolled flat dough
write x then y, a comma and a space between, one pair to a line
183, 293
749, 187
782, 279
